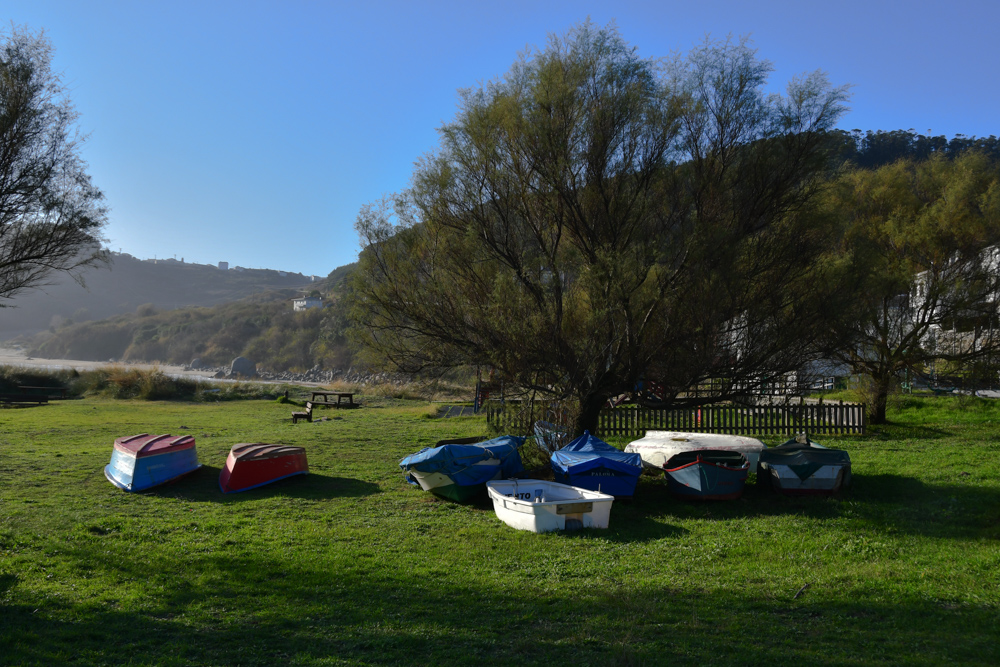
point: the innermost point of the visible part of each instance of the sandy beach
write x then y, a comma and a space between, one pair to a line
16, 357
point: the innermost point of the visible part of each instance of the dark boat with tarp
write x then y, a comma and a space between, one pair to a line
803, 467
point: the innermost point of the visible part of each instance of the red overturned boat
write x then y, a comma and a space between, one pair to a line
253, 465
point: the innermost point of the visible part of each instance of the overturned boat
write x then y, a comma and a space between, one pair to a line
658, 447
459, 472
803, 467
541, 507
140, 462
251, 465
590, 463
707, 474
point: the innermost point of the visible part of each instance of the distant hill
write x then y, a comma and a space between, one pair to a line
262, 327
166, 284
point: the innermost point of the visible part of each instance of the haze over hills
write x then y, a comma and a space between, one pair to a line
130, 282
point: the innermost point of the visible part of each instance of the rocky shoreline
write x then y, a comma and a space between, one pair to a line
314, 375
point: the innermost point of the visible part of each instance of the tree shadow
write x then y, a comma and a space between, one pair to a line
203, 486
885, 502
625, 525
891, 431
249, 612
7, 582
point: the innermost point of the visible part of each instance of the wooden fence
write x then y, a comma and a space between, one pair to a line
633, 421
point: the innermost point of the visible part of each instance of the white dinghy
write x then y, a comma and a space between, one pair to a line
658, 447
539, 506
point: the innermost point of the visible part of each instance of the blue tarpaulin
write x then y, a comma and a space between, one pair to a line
469, 464
590, 463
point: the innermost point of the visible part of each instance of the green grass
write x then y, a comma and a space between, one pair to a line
351, 566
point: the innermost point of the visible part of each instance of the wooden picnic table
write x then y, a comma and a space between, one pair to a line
339, 394
47, 391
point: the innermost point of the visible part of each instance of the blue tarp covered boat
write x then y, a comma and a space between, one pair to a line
707, 474
590, 463
460, 471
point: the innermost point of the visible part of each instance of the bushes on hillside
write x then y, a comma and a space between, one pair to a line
268, 332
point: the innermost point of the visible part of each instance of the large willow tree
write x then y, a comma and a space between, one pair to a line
595, 218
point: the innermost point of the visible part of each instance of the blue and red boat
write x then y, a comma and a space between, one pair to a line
252, 465
590, 463
707, 474
140, 462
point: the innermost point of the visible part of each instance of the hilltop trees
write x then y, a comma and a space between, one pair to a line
922, 261
51, 214
595, 218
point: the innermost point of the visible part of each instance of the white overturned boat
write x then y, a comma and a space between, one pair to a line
538, 506
658, 447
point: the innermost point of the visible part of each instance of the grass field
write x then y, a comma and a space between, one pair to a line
351, 566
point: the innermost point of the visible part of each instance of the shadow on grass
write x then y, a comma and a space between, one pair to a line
625, 525
905, 504
203, 486
7, 582
901, 431
235, 613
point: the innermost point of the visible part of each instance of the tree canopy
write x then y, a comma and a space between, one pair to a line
51, 214
595, 218
920, 255
873, 149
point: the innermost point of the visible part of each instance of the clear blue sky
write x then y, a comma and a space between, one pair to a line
252, 132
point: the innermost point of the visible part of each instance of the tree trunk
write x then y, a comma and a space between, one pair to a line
590, 409
879, 399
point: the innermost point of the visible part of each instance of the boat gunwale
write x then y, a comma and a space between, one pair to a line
129, 488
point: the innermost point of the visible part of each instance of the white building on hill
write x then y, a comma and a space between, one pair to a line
307, 302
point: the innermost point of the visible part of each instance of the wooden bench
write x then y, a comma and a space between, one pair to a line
307, 415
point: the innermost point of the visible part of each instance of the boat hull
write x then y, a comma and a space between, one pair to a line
252, 466
601, 479
445, 487
541, 507
804, 468
827, 480
707, 475
658, 447
132, 473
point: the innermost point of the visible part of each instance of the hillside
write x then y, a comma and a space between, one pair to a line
129, 283
263, 328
